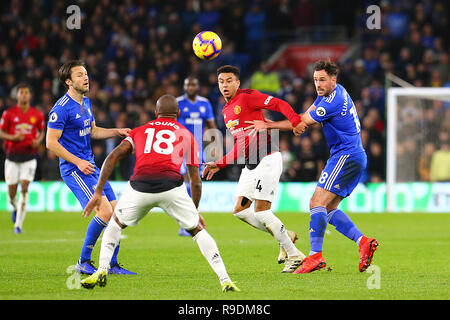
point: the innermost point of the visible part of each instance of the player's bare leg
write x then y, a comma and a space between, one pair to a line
105, 210
12, 193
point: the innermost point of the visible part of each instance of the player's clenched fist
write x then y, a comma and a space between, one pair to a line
300, 128
210, 169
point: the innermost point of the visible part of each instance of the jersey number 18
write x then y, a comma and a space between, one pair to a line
161, 143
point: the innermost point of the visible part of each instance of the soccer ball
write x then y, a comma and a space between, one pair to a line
207, 45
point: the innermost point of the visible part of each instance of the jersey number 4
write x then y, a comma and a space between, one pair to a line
161, 143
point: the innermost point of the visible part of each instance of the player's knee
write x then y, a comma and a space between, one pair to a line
316, 202
104, 213
196, 230
241, 204
262, 205
116, 219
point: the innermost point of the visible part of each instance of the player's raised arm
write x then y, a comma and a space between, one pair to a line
264, 101
53, 145
122, 150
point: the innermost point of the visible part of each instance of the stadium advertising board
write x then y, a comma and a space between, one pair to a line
292, 197
298, 56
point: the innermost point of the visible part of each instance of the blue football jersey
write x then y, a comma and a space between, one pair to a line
193, 116
340, 121
74, 120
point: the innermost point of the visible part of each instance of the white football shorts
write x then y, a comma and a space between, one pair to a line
18, 171
134, 205
261, 183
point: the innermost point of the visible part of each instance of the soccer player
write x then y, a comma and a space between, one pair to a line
196, 113
71, 126
160, 147
335, 110
263, 164
22, 128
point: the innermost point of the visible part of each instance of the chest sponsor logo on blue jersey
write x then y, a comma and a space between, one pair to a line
85, 131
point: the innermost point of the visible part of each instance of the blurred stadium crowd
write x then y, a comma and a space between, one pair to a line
135, 51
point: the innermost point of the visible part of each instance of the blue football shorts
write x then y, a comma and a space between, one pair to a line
83, 186
342, 173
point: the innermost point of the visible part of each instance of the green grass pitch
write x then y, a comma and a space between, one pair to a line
412, 260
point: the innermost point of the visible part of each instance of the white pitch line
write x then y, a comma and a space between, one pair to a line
123, 236
38, 241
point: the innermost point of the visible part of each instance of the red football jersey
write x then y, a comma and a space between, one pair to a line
247, 105
160, 147
13, 121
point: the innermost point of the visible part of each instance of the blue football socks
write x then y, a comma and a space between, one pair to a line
114, 257
93, 231
344, 225
317, 227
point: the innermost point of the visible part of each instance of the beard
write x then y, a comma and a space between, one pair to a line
81, 89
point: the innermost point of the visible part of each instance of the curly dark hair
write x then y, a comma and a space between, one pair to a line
329, 66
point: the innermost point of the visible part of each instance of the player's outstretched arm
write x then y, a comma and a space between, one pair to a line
122, 150
259, 125
210, 169
307, 120
103, 133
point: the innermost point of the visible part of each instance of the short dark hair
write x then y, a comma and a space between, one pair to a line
329, 66
65, 70
22, 85
229, 69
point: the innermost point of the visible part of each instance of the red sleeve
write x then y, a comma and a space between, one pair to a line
232, 156
264, 101
4, 122
229, 158
130, 139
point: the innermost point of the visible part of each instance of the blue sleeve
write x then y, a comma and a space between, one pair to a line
317, 101
209, 114
57, 118
327, 107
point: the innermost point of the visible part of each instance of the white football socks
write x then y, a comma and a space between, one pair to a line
21, 210
208, 248
276, 228
110, 240
248, 216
